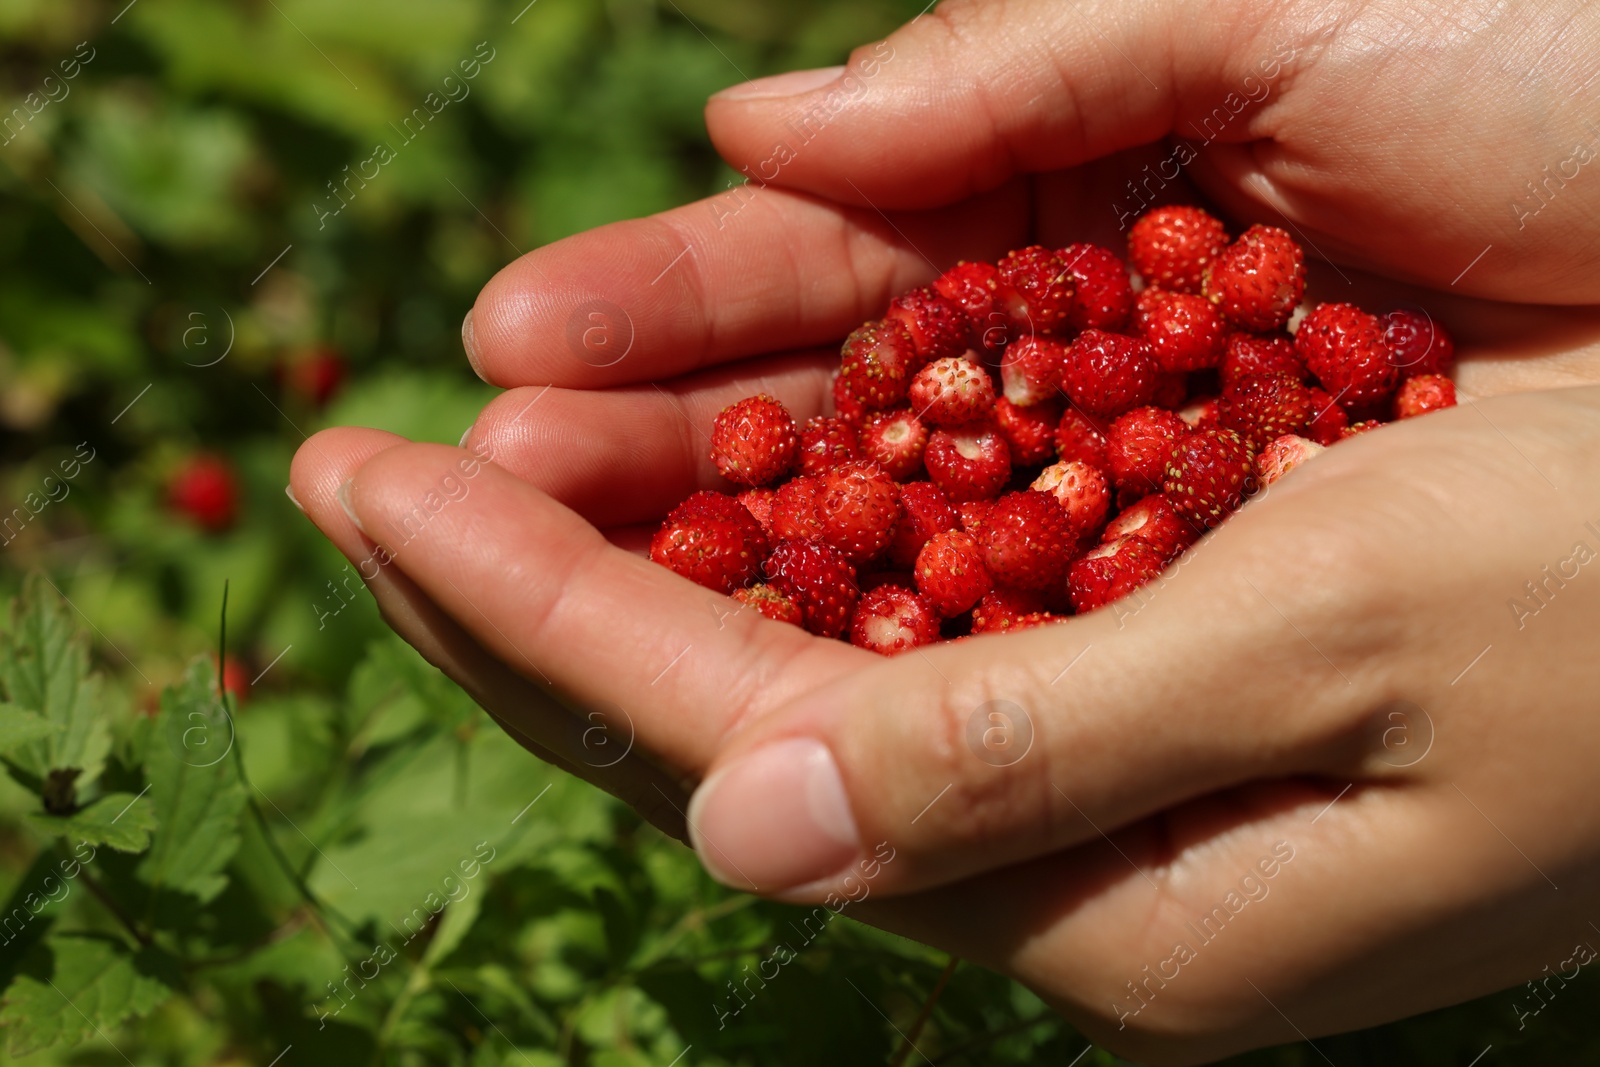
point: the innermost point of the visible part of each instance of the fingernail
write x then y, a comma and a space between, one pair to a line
464, 435
469, 347
343, 494
779, 86
775, 819
288, 491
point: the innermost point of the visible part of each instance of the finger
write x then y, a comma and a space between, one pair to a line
750, 271
629, 454
1024, 87
594, 625
552, 732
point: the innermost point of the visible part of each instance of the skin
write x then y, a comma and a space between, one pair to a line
1338, 672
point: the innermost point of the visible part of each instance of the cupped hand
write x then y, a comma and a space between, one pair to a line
1324, 773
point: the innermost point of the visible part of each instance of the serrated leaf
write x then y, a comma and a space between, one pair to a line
195, 793
122, 821
72, 986
18, 726
44, 668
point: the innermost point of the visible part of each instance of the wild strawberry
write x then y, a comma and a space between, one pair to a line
1111, 572
1139, 445
315, 375
1201, 413
1171, 247
971, 513
1418, 343
1033, 619
892, 619
858, 506
1102, 297
973, 288
1041, 278
938, 325
1106, 374
753, 442
1080, 438
1154, 521
1080, 491
794, 514
758, 502
1002, 607
771, 603
1258, 281
1284, 455
1422, 394
1259, 353
950, 572
711, 540
235, 679
1030, 370
924, 512
1357, 428
1344, 347
1208, 475
846, 407
1264, 407
1328, 419
1183, 330
877, 362
894, 440
952, 392
1030, 432
819, 579
1027, 540
968, 462
205, 490
826, 443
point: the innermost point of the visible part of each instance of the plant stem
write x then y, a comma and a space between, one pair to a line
911, 1035
115, 909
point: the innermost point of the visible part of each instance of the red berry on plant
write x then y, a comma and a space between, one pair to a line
205, 490
315, 374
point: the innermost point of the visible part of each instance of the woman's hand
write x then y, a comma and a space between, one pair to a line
1335, 687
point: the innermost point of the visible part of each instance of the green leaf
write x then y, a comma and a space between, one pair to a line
122, 821
72, 986
195, 792
18, 726
44, 668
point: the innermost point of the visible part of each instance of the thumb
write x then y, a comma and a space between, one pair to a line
973, 92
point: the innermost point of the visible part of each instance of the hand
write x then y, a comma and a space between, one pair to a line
1303, 647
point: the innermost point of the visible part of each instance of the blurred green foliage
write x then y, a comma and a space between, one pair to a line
169, 175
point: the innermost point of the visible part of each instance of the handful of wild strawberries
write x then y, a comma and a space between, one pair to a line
1028, 439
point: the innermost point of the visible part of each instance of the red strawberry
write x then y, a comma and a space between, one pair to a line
1344, 347
1041, 279
315, 375
235, 679
1328, 419
1037, 618
1140, 443
845, 406
952, 392
1284, 455
877, 362
892, 619
1080, 438
1208, 475
819, 579
968, 462
711, 540
894, 440
1201, 413
826, 443
753, 442
771, 603
1003, 607
1154, 521
950, 572
1260, 353
758, 502
1030, 370
1258, 281
1106, 374
1027, 540
1424, 393
1418, 343
794, 511
1030, 432
1356, 428
971, 513
938, 325
1184, 331
858, 506
973, 287
205, 490
1102, 297
1264, 407
1080, 491
1111, 572
924, 512
1172, 246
